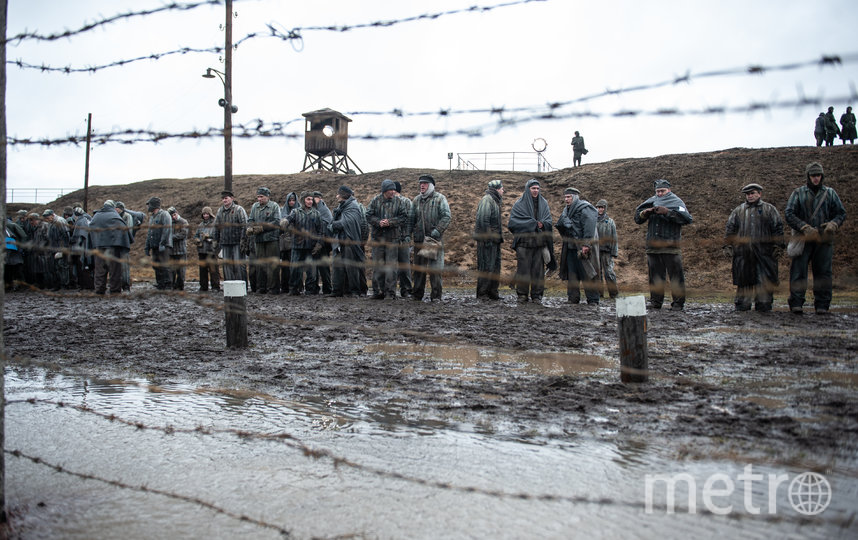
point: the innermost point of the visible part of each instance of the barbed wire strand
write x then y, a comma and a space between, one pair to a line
143, 488
259, 128
293, 35
337, 461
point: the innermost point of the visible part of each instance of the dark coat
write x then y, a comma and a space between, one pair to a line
306, 226
108, 229
756, 233
664, 232
487, 224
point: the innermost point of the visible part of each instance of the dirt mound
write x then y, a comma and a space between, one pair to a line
709, 184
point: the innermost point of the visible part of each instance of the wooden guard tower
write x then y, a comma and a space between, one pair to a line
326, 139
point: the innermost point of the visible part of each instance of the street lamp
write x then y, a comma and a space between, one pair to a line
228, 110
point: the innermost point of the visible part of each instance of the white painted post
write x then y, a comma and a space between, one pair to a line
631, 327
235, 313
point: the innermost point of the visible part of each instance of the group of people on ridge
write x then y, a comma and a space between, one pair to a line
825, 128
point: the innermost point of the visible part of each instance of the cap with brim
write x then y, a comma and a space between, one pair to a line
661, 183
571, 191
227, 193
495, 184
47, 212
426, 178
264, 191
752, 187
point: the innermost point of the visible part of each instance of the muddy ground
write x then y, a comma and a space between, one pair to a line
776, 387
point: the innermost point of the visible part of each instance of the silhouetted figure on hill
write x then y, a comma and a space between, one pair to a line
578, 149
847, 124
831, 129
819, 129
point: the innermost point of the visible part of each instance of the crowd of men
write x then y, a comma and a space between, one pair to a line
292, 249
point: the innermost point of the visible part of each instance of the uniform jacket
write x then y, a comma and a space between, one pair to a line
607, 229
664, 232
180, 236
393, 210
306, 225
268, 216
487, 224
754, 231
160, 231
206, 236
802, 203
230, 225
430, 211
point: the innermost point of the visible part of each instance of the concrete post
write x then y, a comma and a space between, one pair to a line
631, 327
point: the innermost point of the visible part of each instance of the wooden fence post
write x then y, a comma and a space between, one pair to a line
631, 327
235, 313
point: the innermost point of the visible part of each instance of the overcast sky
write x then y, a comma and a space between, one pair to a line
519, 56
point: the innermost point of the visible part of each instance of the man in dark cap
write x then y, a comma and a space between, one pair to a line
531, 224
579, 256
429, 218
386, 216
349, 256
831, 128
159, 243
665, 215
815, 212
608, 248
263, 227
754, 242
488, 233
230, 234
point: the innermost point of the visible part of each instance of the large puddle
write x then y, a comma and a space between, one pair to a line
184, 462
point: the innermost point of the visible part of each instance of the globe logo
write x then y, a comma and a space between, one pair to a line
809, 493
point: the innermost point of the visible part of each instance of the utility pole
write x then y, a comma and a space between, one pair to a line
3, 12
227, 109
86, 167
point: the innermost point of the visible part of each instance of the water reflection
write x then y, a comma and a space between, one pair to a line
455, 474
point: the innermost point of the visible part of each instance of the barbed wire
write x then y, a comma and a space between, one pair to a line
293, 35
143, 488
337, 461
26, 36
259, 128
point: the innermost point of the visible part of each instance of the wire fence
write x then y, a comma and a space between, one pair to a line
48, 257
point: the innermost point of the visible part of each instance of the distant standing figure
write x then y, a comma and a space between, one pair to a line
112, 237
847, 123
159, 243
230, 234
831, 129
179, 256
754, 237
665, 214
578, 149
429, 218
579, 255
819, 129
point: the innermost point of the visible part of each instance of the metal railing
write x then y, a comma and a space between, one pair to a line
35, 195
503, 161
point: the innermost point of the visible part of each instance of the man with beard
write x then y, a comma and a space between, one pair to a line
348, 254
665, 215
579, 256
489, 236
207, 251
430, 217
230, 222
531, 225
112, 238
754, 238
814, 211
